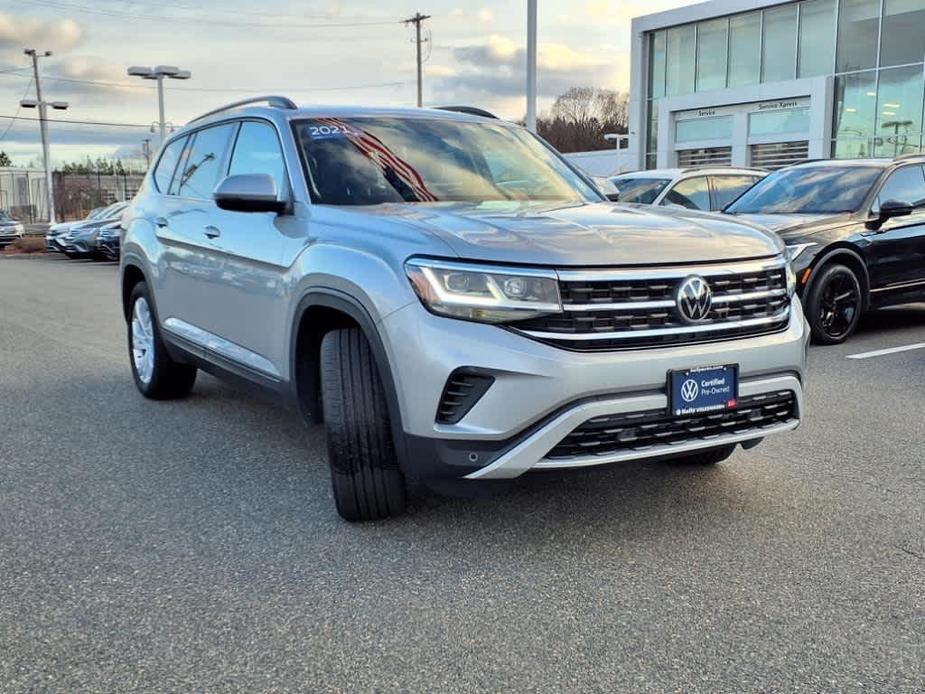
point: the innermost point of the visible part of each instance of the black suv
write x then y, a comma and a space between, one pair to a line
855, 233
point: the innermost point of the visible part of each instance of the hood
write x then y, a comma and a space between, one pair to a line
85, 227
802, 223
582, 234
60, 228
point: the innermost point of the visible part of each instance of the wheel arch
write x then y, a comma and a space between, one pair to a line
132, 274
317, 313
846, 255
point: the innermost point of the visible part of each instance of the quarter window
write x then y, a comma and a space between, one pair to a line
257, 151
905, 185
199, 171
167, 164
691, 193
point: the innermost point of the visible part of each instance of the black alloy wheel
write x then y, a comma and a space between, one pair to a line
835, 304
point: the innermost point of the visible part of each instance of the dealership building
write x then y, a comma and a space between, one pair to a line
765, 83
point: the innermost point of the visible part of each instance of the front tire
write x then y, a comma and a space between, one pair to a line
834, 304
367, 482
156, 374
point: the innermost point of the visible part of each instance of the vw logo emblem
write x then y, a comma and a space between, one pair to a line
694, 299
689, 390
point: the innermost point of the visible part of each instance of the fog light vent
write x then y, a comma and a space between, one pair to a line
463, 389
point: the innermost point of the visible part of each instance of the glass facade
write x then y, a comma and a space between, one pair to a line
779, 44
711, 55
817, 38
744, 59
875, 49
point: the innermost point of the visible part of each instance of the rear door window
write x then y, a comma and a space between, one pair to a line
199, 171
692, 193
167, 164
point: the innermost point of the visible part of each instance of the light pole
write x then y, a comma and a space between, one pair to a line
42, 106
531, 65
159, 72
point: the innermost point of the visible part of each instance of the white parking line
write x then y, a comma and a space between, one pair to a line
884, 352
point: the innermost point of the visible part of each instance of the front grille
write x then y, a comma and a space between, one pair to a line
638, 431
627, 309
463, 389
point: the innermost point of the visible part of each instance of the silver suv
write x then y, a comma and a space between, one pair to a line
451, 298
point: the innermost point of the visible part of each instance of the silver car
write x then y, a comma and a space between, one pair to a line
452, 299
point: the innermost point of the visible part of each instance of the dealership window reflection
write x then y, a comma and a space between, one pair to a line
899, 111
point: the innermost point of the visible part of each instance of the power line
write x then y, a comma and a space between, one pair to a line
18, 109
80, 122
211, 22
243, 90
276, 15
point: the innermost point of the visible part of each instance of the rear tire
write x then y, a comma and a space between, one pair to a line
367, 482
833, 306
156, 374
708, 457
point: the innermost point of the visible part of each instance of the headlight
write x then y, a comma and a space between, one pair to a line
791, 281
794, 251
483, 292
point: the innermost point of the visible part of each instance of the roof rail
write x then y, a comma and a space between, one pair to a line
471, 110
910, 155
271, 100
701, 167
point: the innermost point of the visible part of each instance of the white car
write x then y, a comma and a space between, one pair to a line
10, 229
707, 189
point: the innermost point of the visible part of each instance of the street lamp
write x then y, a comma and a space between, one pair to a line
159, 72
42, 107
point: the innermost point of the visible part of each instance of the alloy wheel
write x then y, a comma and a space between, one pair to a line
839, 305
142, 340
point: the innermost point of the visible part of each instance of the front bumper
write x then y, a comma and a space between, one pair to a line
542, 393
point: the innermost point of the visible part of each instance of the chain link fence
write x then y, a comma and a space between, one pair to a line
23, 193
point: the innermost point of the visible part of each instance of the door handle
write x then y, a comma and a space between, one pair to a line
212, 232
161, 223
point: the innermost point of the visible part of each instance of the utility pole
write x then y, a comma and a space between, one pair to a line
43, 126
416, 20
531, 65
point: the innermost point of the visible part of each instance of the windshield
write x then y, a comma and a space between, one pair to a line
369, 161
808, 190
5, 216
641, 190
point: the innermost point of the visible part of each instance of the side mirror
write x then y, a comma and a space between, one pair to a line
248, 193
613, 197
889, 209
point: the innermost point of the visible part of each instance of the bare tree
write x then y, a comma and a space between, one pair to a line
581, 116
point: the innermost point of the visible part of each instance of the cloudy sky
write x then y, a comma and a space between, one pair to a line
356, 51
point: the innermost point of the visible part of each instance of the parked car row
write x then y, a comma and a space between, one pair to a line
95, 237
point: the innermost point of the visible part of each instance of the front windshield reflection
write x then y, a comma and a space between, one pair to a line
370, 161
808, 190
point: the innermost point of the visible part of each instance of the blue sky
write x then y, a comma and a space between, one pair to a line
236, 48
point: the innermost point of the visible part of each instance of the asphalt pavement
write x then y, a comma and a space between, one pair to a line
194, 546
